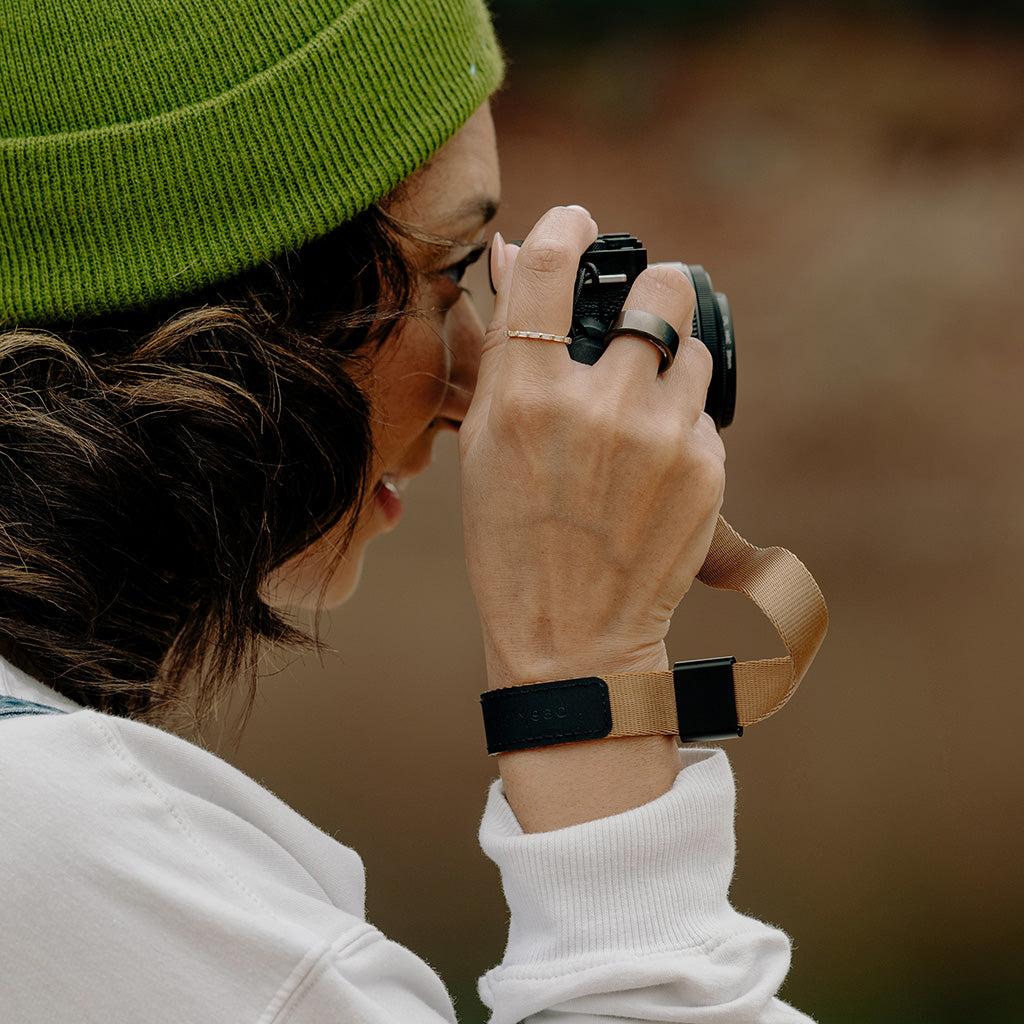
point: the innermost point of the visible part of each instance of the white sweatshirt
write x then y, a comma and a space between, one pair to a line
143, 880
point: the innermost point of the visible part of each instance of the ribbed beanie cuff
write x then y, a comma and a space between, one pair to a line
152, 147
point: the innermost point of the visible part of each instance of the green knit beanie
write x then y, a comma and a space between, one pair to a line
152, 147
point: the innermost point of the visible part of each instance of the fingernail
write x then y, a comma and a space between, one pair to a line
499, 260
582, 209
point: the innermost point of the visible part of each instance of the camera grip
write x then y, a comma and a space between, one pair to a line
587, 343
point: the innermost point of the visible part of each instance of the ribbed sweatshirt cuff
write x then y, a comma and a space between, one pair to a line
650, 880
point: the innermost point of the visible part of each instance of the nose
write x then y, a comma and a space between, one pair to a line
464, 336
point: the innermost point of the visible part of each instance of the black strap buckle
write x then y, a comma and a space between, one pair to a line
706, 699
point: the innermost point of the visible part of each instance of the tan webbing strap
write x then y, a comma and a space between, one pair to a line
643, 703
780, 585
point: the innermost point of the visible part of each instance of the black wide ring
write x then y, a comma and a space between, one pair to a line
657, 331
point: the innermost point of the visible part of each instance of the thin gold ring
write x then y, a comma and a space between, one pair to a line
539, 336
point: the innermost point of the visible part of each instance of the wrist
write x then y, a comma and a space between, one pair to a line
554, 787
514, 667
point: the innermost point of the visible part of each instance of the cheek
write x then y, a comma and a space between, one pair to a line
319, 577
411, 382
345, 577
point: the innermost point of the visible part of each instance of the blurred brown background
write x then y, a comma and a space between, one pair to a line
855, 183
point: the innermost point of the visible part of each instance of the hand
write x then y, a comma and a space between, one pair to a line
590, 493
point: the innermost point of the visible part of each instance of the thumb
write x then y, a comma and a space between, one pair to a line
503, 259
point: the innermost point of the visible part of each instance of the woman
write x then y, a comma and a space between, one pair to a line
233, 236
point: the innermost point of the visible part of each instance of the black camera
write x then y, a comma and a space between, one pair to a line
607, 271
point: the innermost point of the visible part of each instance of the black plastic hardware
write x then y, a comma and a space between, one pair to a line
706, 699
543, 714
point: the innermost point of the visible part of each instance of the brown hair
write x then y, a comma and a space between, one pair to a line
155, 466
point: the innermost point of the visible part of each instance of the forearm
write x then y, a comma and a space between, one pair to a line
552, 787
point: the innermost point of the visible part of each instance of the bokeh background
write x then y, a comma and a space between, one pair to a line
853, 177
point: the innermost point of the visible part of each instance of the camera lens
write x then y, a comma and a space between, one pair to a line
712, 324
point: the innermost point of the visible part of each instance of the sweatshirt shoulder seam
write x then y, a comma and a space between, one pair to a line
112, 740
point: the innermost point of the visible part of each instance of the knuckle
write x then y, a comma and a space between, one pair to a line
547, 254
650, 442
557, 240
707, 425
666, 292
714, 472
595, 419
709, 471
523, 407
695, 449
669, 278
671, 290
664, 438
699, 359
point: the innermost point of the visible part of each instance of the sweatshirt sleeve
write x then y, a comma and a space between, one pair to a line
627, 918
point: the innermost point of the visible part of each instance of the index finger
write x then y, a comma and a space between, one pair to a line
543, 278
